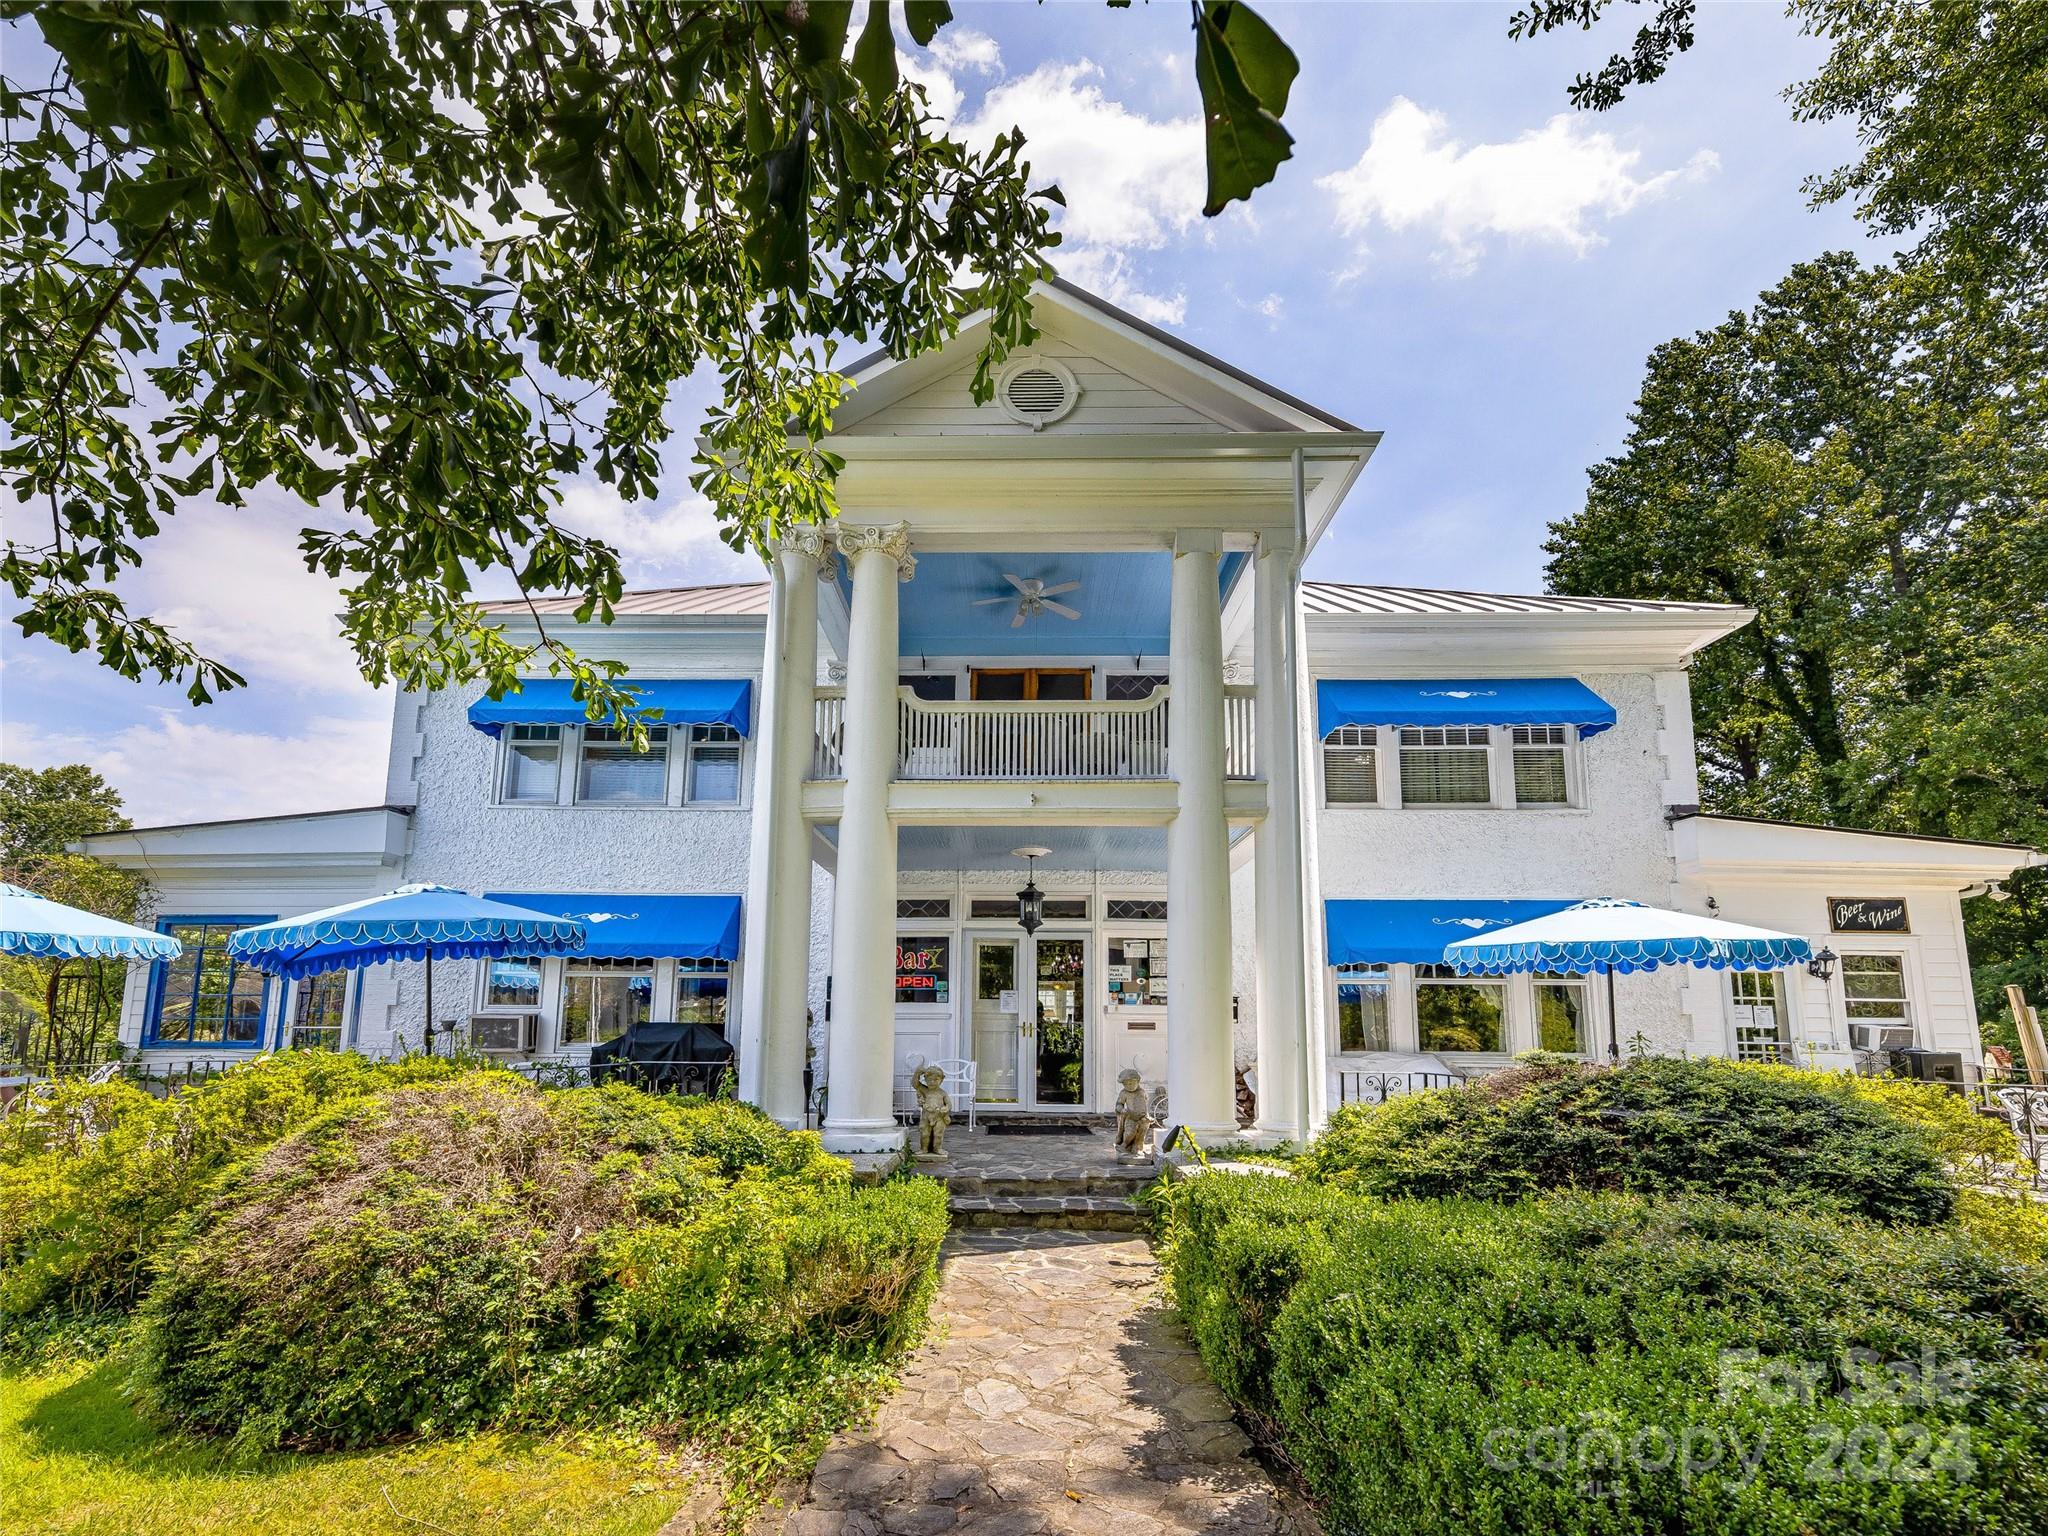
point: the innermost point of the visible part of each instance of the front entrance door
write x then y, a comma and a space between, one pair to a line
1060, 1030
995, 1029
1033, 1053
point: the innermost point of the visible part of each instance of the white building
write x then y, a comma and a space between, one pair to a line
1072, 619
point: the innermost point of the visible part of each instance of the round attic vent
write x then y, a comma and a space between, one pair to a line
1037, 391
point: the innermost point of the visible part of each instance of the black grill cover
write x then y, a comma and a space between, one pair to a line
665, 1058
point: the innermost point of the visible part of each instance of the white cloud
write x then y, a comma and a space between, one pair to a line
942, 96
1132, 183
957, 47
1547, 186
174, 768
673, 542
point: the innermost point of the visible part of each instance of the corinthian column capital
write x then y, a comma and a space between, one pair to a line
891, 539
807, 541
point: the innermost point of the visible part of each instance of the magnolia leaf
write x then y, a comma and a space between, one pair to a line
1246, 141
874, 55
924, 18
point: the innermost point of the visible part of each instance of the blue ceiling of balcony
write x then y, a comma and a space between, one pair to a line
1125, 601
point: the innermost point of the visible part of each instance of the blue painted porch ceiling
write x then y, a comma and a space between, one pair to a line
1125, 601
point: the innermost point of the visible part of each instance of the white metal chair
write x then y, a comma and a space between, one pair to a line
959, 1084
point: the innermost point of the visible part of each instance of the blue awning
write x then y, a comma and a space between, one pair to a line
682, 701
1415, 932
643, 927
1460, 701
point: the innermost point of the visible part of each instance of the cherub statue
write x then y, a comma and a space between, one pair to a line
1133, 1117
934, 1110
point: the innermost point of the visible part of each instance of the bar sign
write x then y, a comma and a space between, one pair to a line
1867, 914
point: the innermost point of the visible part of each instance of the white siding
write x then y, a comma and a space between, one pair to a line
1110, 401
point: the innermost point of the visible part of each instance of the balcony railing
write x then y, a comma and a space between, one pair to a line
982, 739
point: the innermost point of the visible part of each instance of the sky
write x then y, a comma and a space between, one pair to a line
1453, 257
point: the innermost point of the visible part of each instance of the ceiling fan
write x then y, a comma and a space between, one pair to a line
1033, 596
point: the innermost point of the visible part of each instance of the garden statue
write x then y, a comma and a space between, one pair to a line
934, 1110
1133, 1117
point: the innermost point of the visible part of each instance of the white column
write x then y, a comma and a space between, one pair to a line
1200, 1087
776, 963
1280, 951
861, 1053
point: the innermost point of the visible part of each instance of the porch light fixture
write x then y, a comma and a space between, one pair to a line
1822, 966
1030, 900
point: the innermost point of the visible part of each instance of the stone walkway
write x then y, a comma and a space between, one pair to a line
1055, 1395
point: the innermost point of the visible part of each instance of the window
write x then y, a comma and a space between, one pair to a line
1362, 1011
601, 999
1351, 766
533, 764
612, 773
1539, 765
714, 774
1453, 1013
923, 969
1137, 971
318, 1004
924, 906
512, 984
1132, 685
939, 687
1444, 765
1759, 1005
1875, 986
1562, 1022
1057, 908
1147, 910
203, 997
701, 988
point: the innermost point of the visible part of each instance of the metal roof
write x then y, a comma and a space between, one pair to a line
1352, 599
735, 599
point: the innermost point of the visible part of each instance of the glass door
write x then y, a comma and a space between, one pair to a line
1060, 1027
994, 1015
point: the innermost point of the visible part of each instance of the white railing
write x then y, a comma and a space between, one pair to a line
1038, 739
828, 747
1240, 761
1034, 739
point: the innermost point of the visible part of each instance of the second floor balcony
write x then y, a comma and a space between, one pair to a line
1037, 740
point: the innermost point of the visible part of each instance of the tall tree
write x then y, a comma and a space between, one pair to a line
1862, 458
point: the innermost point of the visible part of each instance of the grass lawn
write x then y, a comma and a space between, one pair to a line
74, 1457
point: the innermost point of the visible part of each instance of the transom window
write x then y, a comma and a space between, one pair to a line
612, 772
318, 1005
1364, 1011
203, 997
1880, 1018
1135, 910
1351, 771
1132, 685
1540, 766
533, 764
1445, 765
1057, 908
924, 906
602, 999
1458, 1013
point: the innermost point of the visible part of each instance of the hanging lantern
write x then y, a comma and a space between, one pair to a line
1031, 900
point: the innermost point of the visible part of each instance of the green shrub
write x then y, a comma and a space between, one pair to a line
1653, 1127
434, 1259
93, 1177
1602, 1364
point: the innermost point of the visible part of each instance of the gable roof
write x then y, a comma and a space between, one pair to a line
1352, 598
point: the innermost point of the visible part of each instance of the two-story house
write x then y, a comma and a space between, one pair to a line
1062, 637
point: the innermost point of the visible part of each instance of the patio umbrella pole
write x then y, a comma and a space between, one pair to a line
1613, 1023
430, 1000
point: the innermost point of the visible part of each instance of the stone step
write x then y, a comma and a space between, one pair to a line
1084, 1213
1118, 1181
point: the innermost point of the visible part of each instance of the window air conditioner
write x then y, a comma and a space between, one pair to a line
502, 1032
1881, 1037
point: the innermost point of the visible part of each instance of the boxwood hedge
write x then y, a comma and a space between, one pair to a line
1602, 1363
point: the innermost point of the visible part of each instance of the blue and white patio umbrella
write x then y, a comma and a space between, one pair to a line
1608, 934
37, 926
414, 922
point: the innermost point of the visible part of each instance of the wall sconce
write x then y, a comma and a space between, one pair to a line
1030, 900
1822, 966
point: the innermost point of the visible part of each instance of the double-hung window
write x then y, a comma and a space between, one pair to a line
533, 765
611, 772
203, 997
1540, 777
512, 983
1562, 1021
1351, 766
701, 989
1363, 1013
713, 775
319, 1003
1445, 765
1458, 1013
602, 999
1880, 1019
